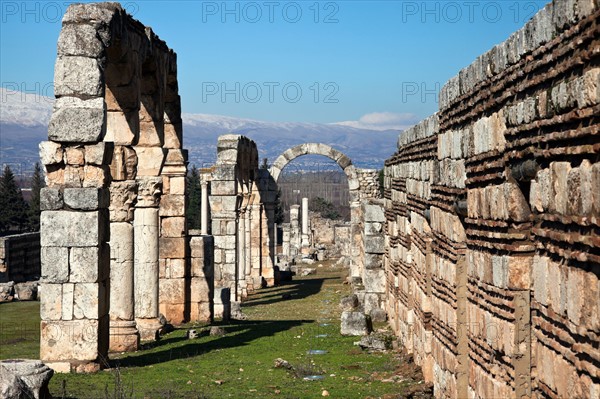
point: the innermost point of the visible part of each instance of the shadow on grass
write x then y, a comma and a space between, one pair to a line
298, 289
239, 334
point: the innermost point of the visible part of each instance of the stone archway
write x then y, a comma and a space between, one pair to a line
354, 187
319, 149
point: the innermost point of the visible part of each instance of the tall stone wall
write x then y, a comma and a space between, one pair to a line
492, 219
114, 150
20, 258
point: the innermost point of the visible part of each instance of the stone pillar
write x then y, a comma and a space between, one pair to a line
275, 240
124, 336
248, 258
241, 261
305, 241
204, 208
146, 234
294, 230
202, 277
173, 249
75, 266
285, 245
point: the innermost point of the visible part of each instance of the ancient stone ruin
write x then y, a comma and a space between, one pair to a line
483, 250
492, 207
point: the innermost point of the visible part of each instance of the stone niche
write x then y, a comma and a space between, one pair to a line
115, 174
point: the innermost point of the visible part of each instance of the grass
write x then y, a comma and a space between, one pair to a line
20, 330
241, 363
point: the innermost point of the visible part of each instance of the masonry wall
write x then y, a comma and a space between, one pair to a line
20, 258
492, 214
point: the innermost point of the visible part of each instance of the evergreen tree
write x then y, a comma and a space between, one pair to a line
279, 215
37, 182
13, 208
264, 164
194, 193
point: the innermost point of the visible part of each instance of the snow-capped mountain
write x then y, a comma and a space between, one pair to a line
24, 119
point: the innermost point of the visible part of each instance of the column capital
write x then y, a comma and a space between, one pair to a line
149, 192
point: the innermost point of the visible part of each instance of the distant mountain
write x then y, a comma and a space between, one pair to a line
24, 120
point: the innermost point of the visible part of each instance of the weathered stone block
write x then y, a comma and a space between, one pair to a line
173, 226
88, 298
71, 229
150, 160
122, 128
84, 124
51, 303
172, 205
50, 199
355, 323
67, 301
51, 153
78, 76
87, 199
173, 248
69, 340
55, 264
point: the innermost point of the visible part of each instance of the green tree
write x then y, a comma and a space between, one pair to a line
279, 215
324, 207
37, 182
13, 208
194, 192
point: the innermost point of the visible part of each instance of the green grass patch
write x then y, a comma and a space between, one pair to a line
240, 364
20, 330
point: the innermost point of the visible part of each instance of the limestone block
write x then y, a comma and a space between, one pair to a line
374, 280
87, 199
172, 205
79, 40
172, 290
519, 272
51, 153
77, 121
174, 268
78, 76
55, 264
122, 128
172, 135
374, 244
73, 176
517, 205
74, 155
67, 301
355, 323
69, 340
86, 13
173, 227
94, 176
71, 229
50, 199
177, 185
88, 265
585, 189
87, 300
559, 179
98, 154
173, 248
223, 187
374, 213
150, 160
51, 302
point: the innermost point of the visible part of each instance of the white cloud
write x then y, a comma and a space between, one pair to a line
383, 121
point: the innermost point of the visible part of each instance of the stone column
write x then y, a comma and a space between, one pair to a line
146, 233
294, 230
305, 242
124, 336
241, 261
275, 238
204, 208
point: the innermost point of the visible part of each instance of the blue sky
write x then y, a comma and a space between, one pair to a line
309, 61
